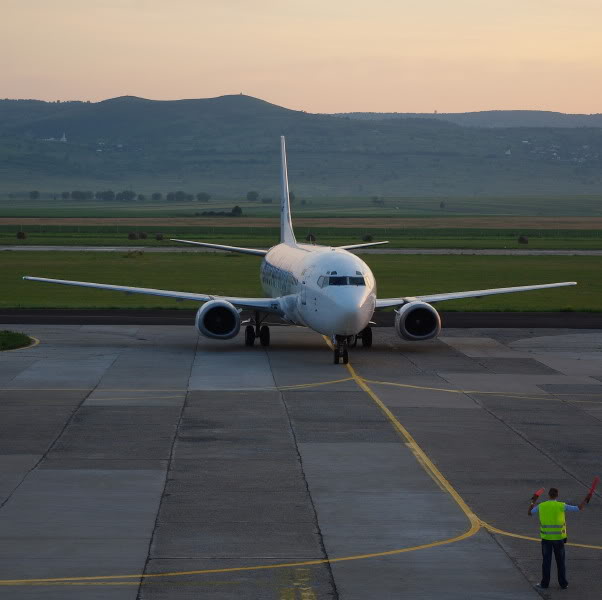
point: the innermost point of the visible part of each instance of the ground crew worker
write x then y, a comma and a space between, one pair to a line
553, 534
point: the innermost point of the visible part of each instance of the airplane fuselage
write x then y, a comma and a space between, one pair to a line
327, 289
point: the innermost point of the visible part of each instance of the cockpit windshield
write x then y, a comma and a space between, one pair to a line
325, 280
356, 281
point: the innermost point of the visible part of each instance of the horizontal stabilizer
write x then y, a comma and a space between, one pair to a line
254, 251
366, 245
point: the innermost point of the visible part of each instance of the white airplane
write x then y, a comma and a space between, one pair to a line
326, 289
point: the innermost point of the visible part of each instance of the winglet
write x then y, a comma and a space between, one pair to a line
287, 235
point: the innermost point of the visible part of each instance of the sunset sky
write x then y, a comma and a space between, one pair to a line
319, 56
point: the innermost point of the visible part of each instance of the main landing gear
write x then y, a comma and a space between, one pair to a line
257, 330
365, 336
342, 343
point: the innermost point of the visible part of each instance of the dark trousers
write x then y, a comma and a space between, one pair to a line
547, 548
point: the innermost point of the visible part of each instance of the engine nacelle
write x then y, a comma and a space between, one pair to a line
417, 321
218, 319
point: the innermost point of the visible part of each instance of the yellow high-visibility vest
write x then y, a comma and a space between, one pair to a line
551, 520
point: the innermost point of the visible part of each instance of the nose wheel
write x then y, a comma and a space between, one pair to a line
341, 351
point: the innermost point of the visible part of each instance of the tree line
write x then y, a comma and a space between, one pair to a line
127, 196
131, 196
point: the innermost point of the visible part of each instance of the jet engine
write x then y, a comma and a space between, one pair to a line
218, 319
417, 321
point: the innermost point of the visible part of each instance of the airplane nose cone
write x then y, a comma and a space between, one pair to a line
351, 314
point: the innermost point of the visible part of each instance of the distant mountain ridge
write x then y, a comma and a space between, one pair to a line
492, 118
229, 145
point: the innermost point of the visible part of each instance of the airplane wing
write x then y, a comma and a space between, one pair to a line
389, 302
354, 246
254, 251
271, 305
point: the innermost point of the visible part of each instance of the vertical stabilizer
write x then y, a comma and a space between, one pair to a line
286, 227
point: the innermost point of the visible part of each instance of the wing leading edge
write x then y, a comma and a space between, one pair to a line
389, 302
271, 305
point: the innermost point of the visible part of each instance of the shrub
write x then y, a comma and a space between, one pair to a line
132, 235
142, 235
21, 235
523, 239
159, 236
367, 238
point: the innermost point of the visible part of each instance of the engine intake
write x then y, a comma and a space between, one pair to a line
417, 321
218, 319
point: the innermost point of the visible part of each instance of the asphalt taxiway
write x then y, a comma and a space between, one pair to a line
144, 462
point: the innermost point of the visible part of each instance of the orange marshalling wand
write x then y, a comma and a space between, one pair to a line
537, 494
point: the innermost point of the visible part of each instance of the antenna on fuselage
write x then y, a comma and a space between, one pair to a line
287, 236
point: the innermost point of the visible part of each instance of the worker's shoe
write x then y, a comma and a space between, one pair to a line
538, 586
563, 587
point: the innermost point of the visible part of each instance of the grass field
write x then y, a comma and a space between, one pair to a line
124, 224
326, 207
238, 275
9, 340
537, 240
457, 232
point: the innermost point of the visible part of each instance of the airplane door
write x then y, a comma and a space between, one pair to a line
304, 278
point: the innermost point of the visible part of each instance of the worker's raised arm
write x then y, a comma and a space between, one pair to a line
585, 501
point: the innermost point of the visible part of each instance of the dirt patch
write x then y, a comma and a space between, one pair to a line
582, 223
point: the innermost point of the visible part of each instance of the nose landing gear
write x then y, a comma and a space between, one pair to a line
341, 344
341, 349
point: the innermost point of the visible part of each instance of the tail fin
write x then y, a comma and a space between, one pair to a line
287, 235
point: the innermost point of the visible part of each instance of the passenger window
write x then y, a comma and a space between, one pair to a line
338, 281
356, 281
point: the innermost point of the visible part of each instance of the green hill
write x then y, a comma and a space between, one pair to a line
228, 145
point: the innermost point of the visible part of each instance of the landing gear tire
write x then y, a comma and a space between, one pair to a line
337, 356
367, 337
345, 356
249, 335
264, 335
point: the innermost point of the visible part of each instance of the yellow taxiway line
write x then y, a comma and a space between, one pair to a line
423, 459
